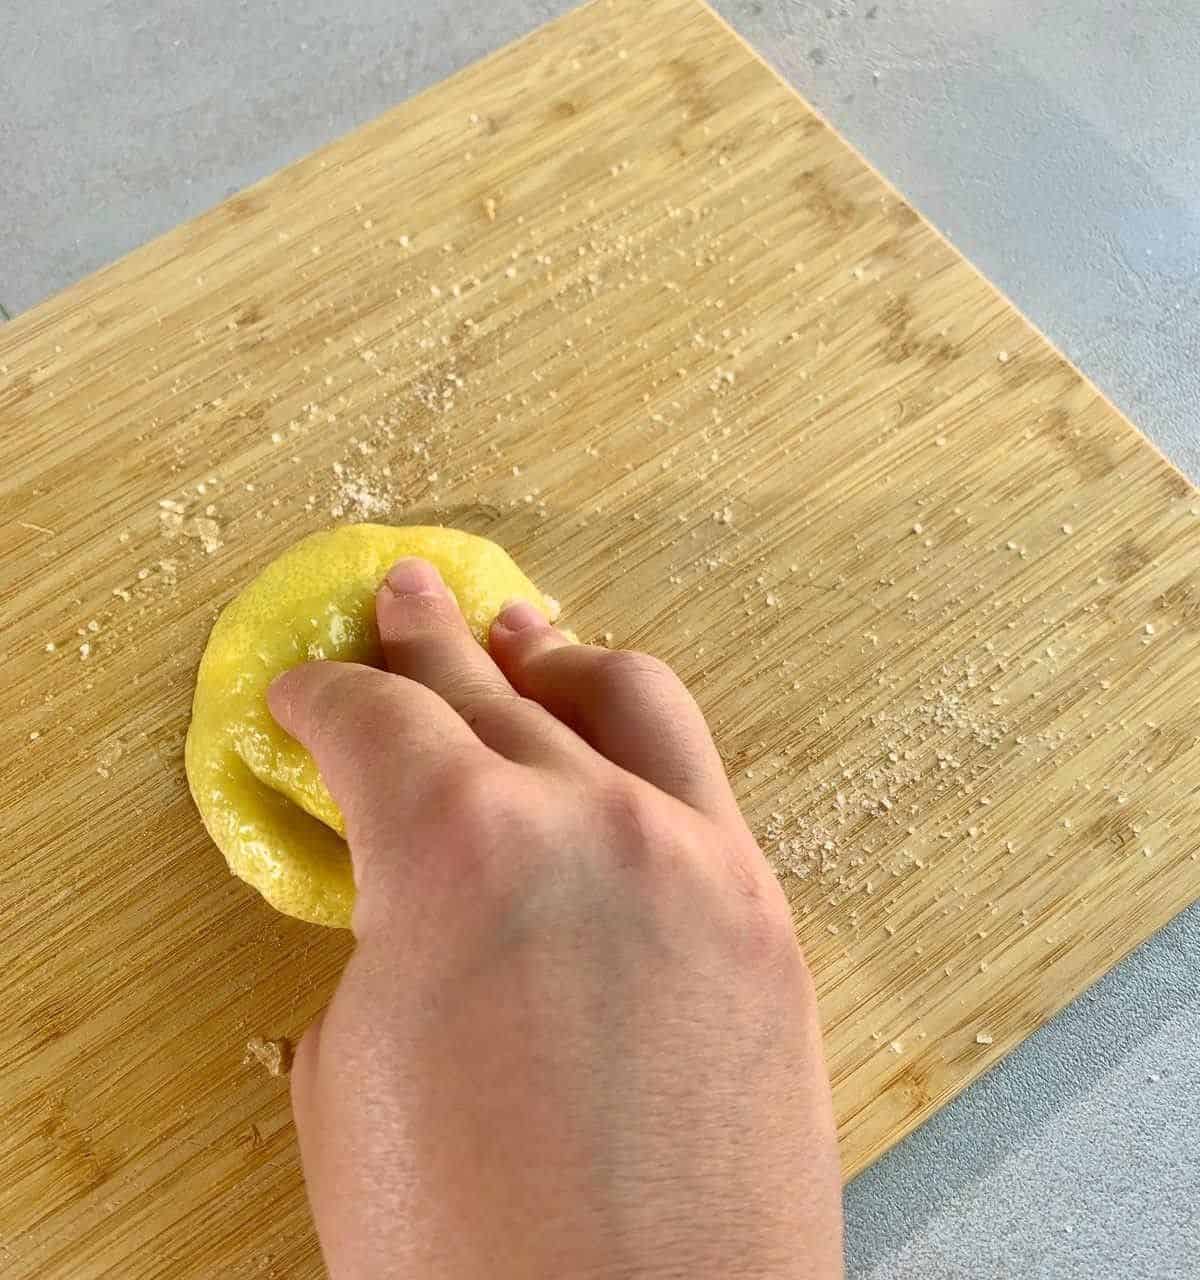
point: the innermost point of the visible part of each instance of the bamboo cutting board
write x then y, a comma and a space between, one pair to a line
617, 298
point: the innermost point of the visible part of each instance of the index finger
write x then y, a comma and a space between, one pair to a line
377, 739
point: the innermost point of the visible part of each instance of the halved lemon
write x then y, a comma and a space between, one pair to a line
257, 788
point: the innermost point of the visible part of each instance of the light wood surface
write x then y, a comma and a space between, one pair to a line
620, 300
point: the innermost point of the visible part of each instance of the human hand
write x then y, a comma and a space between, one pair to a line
577, 1037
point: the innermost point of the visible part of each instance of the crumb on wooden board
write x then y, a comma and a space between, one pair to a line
273, 1055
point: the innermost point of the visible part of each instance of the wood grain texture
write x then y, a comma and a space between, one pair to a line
620, 300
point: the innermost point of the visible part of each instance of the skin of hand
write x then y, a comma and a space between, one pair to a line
576, 1038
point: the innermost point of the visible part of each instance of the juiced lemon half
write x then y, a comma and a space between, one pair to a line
257, 789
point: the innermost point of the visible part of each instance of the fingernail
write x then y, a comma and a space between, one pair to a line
521, 615
414, 577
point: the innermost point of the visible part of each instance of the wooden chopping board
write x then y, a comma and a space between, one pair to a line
617, 298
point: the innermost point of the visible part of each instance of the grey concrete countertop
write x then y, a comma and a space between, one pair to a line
1056, 145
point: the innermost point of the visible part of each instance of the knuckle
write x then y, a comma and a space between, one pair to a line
499, 838
507, 722
421, 647
480, 703
639, 683
382, 707
623, 668
413, 625
764, 933
769, 921
638, 822
479, 799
